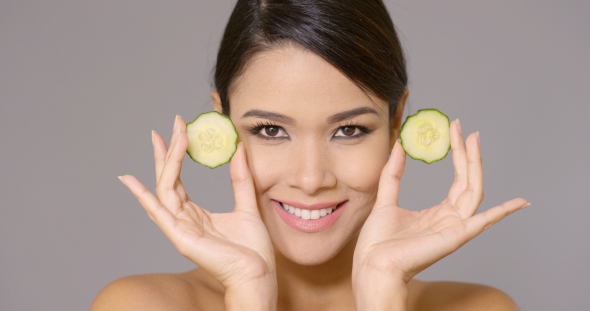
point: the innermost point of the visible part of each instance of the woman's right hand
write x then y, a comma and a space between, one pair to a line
235, 247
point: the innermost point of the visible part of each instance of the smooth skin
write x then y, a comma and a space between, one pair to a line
305, 151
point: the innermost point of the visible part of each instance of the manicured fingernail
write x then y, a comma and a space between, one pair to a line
121, 179
527, 205
477, 133
459, 126
153, 134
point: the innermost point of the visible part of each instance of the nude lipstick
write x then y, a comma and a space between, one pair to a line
309, 218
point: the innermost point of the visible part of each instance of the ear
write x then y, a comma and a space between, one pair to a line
396, 122
216, 101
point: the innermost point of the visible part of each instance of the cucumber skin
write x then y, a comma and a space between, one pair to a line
404, 124
236, 141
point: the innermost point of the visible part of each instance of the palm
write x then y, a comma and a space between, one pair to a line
233, 247
228, 244
402, 242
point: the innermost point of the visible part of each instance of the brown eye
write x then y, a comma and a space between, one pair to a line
271, 131
351, 131
348, 130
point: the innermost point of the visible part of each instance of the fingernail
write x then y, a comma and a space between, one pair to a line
153, 134
459, 126
121, 178
477, 133
527, 205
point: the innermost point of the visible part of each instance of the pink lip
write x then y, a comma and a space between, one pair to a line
311, 225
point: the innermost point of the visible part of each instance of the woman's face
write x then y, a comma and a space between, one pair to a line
316, 144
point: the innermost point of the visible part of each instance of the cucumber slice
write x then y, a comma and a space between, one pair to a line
212, 139
426, 136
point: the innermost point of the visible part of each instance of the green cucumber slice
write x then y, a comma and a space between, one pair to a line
212, 139
426, 136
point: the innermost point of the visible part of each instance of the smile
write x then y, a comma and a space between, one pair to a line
308, 214
309, 218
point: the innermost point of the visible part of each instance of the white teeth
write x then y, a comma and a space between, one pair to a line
315, 214
305, 214
308, 214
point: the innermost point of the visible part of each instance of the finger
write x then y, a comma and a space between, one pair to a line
242, 182
468, 203
389, 182
156, 211
170, 177
482, 221
160, 153
179, 124
459, 162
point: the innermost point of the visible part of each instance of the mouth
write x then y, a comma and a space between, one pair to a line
309, 218
307, 214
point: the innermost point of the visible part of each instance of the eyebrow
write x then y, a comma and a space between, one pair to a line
341, 116
269, 115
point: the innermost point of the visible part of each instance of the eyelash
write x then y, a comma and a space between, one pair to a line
363, 131
259, 126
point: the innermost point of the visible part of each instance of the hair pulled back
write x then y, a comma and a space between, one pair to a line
356, 36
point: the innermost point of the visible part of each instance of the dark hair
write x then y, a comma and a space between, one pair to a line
355, 36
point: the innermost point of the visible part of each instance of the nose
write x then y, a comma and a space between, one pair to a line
311, 168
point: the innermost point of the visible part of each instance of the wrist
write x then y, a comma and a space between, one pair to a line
374, 290
257, 295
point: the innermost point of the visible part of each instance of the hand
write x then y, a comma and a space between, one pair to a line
235, 247
397, 244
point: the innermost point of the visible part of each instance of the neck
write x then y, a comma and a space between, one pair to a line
325, 286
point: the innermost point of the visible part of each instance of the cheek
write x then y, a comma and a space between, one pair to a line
360, 169
265, 165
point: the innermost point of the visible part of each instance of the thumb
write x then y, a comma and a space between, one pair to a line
242, 183
391, 175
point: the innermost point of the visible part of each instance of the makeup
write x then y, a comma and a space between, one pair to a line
309, 218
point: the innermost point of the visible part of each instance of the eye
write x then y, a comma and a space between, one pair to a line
269, 131
273, 131
349, 131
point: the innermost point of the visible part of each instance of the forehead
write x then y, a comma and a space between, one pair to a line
296, 81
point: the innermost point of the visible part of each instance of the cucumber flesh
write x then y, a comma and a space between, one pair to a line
212, 139
425, 135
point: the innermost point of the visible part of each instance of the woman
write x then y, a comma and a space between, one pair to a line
316, 90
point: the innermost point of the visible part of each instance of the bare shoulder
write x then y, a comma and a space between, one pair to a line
183, 291
442, 296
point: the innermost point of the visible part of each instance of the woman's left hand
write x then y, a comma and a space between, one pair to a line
397, 243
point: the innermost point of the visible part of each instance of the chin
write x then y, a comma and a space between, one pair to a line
313, 249
309, 254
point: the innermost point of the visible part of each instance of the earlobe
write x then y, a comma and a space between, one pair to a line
216, 101
396, 122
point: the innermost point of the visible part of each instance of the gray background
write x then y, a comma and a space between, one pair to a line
82, 83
